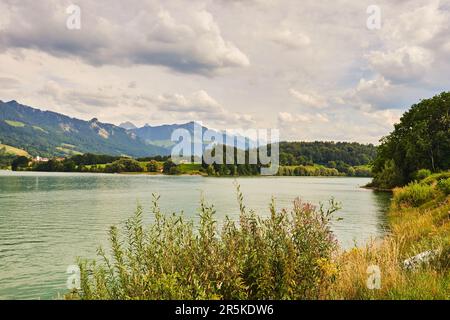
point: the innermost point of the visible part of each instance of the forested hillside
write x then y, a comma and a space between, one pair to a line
50, 134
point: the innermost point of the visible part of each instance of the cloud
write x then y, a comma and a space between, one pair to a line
385, 118
374, 94
309, 100
191, 42
290, 39
286, 117
419, 25
198, 101
7, 83
405, 64
200, 106
81, 100
289, 118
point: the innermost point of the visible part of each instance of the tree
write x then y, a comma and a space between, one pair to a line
124, 165
153, 166
19, 162
167, 167
420, 141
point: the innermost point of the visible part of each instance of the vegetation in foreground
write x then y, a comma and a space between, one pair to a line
419, 222
289, 255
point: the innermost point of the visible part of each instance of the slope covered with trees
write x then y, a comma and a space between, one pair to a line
49, 134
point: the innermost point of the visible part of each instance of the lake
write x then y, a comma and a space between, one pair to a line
47, 220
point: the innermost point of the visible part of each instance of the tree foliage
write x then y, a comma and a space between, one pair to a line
420, 141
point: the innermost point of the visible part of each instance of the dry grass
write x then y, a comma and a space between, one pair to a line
413, 230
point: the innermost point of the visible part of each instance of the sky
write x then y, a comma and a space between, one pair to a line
315, 70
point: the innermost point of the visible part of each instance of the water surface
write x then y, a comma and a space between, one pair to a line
49, 219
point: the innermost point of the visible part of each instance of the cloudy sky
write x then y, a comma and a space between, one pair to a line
311, 68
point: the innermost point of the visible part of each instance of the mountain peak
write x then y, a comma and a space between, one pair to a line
127, 125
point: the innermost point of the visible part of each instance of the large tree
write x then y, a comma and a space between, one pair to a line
420, 141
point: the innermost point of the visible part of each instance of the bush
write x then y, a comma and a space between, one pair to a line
388, 177
19, 162
414, 195
285, 256
444, 186
421, 174
124, 165
436, 177
153, 166
168, 165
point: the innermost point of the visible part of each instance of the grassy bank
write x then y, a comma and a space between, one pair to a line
419, 222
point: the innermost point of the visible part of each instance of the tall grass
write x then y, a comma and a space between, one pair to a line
419, 222
288, 255
414, 194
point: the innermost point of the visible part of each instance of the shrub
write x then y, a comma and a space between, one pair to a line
388, 177
421, 174
168, 165
436, 177
444, 186
287, 255
153, 166
414, 195
124, 165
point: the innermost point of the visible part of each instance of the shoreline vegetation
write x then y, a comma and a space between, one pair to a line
164, 165
295, 159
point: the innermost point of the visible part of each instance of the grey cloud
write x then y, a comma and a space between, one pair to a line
190, 42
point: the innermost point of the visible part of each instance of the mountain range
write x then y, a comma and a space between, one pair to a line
48, 134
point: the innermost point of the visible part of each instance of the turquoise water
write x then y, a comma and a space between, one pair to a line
49, 219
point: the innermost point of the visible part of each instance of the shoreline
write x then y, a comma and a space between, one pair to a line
195, 174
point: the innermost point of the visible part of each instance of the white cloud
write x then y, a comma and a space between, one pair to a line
309, 100
403, 64
286, 117
198, 101
290, 39
200, 106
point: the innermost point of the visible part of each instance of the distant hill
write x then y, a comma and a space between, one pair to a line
47, 133
161, 135
127, 125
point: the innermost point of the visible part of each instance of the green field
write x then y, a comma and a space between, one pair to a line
68, 151
13, 150
39, 129
15, 123
190, 168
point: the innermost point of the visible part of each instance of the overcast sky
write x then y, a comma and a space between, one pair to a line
313, 69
